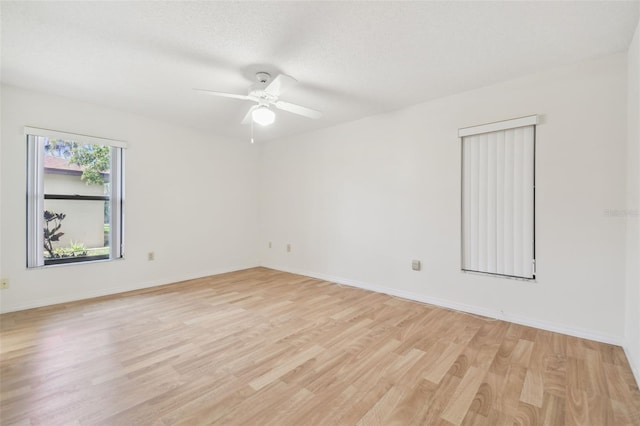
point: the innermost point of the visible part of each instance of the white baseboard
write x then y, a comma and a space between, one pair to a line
48, 301
477, 310
633, 363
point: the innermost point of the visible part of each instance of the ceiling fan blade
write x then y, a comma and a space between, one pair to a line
247, 118
297, 109
226, 95
280, 84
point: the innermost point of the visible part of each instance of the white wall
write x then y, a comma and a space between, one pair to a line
632, 320
357, 202
190, 198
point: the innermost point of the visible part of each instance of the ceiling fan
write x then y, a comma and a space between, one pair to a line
265, 94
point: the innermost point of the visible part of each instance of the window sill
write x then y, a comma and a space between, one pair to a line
77, 262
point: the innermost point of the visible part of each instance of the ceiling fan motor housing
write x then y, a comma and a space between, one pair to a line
257, 90
263, 77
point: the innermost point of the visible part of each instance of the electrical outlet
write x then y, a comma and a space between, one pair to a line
416, 265
288, 248
151, 256
269, 244
4, 283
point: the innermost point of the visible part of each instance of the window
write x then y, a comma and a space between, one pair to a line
75, 196
498, 198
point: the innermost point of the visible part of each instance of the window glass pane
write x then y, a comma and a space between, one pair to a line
76, 228
72, 168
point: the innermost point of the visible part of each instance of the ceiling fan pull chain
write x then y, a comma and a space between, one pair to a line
251, 131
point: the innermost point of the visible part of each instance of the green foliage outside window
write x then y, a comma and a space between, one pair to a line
95, 160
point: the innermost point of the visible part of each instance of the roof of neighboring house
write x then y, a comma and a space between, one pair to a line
60, 164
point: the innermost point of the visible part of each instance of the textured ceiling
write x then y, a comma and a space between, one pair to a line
352, 59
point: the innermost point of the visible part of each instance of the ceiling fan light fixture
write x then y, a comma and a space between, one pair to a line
263, 115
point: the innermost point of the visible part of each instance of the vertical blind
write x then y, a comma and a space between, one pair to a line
498, 198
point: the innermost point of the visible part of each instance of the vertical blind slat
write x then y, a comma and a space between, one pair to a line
482, 201
500, 202
491, 203
508, 203
475, 178
518, 136
467, 213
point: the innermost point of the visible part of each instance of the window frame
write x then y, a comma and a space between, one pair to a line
36, 196
520, 122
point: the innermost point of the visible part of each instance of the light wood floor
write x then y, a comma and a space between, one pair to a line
262, 347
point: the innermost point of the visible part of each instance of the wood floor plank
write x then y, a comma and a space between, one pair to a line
414, 404
533, 389
261, 346
487, 394
378, 413
444, 363
441, 399
290, 363
552, 411
461, 400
